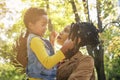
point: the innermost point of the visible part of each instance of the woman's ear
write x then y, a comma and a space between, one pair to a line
79, 40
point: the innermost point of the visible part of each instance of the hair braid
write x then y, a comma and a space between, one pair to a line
87, 32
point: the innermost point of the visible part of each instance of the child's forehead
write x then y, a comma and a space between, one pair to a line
43, 18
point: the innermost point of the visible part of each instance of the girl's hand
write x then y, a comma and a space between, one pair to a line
53, 36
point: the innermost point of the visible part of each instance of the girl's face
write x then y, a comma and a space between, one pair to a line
40, 26
63, 35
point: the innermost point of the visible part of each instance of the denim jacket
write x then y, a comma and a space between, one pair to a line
34, 68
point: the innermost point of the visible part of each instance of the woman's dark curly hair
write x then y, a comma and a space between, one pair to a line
87, 32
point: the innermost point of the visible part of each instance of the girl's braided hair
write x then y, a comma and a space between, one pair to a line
20, 49
87, 33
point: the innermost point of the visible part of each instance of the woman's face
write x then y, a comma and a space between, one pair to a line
63, 35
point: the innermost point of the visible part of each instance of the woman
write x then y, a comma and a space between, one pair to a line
78, 66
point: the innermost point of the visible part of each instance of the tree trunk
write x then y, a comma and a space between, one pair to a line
50, 26
98, 16
77, 19
86, 9
98, 55
98, 52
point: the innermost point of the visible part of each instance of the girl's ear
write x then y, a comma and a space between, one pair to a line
30, 26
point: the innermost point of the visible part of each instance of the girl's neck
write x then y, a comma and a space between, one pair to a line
32, 32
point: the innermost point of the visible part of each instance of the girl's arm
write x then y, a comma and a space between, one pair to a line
39, 49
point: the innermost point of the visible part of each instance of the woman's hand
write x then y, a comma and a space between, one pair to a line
68, 45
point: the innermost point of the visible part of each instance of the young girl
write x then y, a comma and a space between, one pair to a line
41, 59
78, 66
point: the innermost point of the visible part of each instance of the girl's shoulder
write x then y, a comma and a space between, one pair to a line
33, 36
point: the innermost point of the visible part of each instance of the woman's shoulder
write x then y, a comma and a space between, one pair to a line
84, 59
88, 57
81, 56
